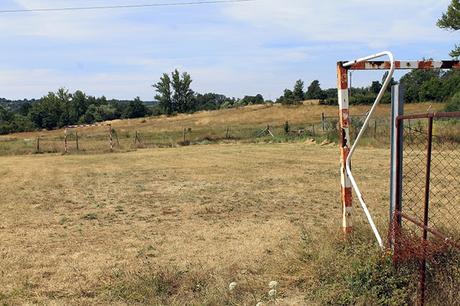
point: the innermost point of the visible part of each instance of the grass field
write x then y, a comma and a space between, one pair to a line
177, 225
230, 125
171, 226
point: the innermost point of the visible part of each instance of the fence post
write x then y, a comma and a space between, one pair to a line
135, 139
76, 140
322, 120
227, 133
65, 140
397, 133
343, 98
375, 128
37, 149
425, 216
184, 134
116, 136
110, 137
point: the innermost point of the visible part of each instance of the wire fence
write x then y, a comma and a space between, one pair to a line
426, 224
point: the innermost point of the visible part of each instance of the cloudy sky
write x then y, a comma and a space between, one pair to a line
235, 49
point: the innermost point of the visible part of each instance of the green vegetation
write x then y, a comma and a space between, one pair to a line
450, 20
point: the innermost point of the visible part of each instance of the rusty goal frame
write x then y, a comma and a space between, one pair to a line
348, 182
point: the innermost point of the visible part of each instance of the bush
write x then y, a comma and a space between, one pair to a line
453, 104
355, 272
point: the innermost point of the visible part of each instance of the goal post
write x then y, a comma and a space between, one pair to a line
81, 126
348, 182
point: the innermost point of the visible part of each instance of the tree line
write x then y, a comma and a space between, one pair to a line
174, 95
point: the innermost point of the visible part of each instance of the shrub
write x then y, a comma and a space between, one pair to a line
453, 104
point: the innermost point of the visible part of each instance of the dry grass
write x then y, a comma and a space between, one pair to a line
170, 226
243, 124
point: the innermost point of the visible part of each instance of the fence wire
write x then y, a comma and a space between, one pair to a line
426, 227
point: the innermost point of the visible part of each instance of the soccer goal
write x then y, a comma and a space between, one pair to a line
88, 137
348, 148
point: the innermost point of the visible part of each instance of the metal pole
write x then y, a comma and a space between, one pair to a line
397, 181
422, 285
397, 133
360, 134
344, 121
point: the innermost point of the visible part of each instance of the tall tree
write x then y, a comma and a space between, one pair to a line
174, 93
298, 92
164, 94
314, 91
183, 94
450, 20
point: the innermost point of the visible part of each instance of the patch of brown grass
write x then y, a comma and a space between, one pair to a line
149, 226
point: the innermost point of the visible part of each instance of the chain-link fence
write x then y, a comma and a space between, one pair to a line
426, 224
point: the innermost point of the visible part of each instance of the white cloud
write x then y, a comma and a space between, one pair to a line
362, 21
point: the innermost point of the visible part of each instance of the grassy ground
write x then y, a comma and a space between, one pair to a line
72, 226
170, 226
175, 226
241, 124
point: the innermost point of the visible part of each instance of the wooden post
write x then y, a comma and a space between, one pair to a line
322, 121
65, 140
135, 139
116, 136
227, 134
185, 130
375, 128
313, 129
76, 140
110, 138
37, 149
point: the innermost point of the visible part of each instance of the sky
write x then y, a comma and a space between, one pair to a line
235, 49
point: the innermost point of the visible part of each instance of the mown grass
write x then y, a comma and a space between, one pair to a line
231, 125
175, 226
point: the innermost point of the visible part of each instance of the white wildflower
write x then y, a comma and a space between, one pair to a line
273, 285
272, 293
232, 286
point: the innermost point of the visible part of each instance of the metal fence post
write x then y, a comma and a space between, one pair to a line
397, 133
422, 286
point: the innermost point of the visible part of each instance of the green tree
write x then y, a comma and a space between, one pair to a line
453, 104
164, 94
413, 81
298, 92
287, 98
174, 93
314, 91
135, 109
375, 87
47, 113
183, 95
450, 20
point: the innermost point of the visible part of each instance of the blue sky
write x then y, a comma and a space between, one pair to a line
235, 49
